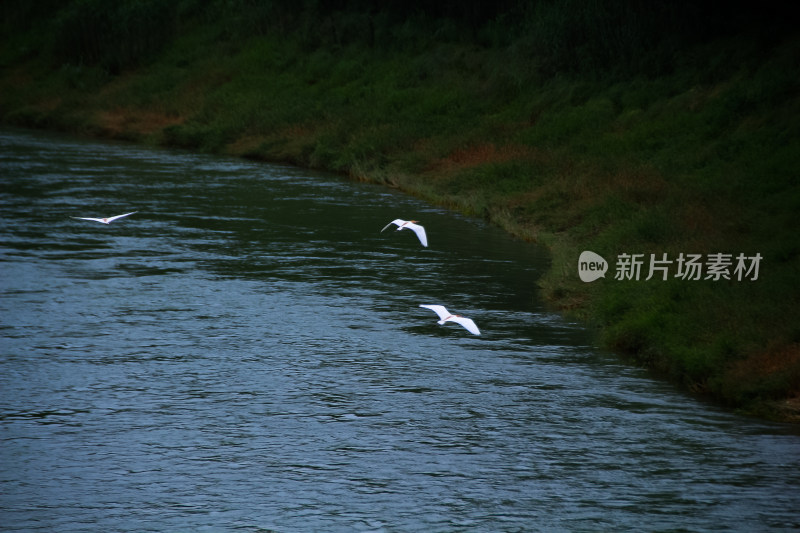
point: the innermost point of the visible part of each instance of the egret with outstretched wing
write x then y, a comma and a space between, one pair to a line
412, 225
446, 316
108, 220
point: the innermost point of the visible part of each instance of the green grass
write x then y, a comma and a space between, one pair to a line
692, 146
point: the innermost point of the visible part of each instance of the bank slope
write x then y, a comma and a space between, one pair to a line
689, 150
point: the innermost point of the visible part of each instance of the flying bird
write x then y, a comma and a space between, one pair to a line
412, 225
446, 316
108, 220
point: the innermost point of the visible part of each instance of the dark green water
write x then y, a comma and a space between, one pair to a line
246, 353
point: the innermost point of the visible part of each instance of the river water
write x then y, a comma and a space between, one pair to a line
246, 353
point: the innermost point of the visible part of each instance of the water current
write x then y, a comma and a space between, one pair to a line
247, 353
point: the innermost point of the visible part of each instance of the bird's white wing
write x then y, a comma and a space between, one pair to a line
112, 219
89, 218
438, 309
420, 231
467, 323
398, 221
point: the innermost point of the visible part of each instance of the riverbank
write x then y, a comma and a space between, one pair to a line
692, 149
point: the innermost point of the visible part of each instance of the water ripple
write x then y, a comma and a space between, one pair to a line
247, 353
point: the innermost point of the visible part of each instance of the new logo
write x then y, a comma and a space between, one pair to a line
591, 266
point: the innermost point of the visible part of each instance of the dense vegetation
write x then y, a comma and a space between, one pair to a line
612, 126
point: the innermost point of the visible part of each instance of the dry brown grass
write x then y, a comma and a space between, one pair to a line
774, 363
479, 154
125, 122
245, 145
642, 185
775, 360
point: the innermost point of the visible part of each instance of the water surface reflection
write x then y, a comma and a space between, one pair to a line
246, 353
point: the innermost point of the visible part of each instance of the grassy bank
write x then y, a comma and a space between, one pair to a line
602, 128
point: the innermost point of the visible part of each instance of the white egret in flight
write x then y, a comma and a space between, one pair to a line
412, 225
108, 220
446, 316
